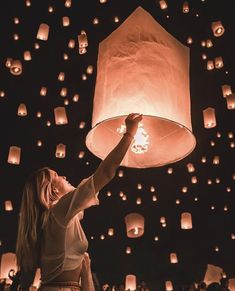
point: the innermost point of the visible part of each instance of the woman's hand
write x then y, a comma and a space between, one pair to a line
132, 121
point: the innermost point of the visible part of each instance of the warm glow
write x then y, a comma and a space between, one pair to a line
186, 220
134, 225
130, 282
60, 151
14, 155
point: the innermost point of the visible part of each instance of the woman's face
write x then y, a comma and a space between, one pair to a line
60, 184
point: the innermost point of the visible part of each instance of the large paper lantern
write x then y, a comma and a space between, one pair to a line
186, 220
209, 117
43, 31
217, 28
8, 262
134, 225
227, 90
14, 155
213, 274
130, 282
230, 99
168, 286
142, 68
60, 116
16, 67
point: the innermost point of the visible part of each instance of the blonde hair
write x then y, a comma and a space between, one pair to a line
38, 197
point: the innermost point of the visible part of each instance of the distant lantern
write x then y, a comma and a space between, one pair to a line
189, 40
210, 65
209, 43
27, 56
217, 28
209, 117
8, 262
204, 56
219, 62
89, 69
8, 205
82, 40
65, 21
128, 250
111, 232
68, 3
14, 155
81, 154
227, 90
134, 225
230, 99
16, 67
63, 92
61, 76
120, 173
22, 110
185, 7
95, 20
194, 180
162, 220
173, 258
163, 4
43, 31
60, 151
123, 53
168, 286
186, 220
216, 160
231, 284
203, 43
43, 91
60, 116
36, 46
190, 168
130, 282
71, 43
116, 19
8, 62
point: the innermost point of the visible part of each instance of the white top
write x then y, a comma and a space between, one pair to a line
64, 242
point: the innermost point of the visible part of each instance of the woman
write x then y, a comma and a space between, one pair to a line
50, 234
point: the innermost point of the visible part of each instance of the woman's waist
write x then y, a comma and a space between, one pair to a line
69, 275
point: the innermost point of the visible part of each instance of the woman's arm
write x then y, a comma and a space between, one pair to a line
107, 168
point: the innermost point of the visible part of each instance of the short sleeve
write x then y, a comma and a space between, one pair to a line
80, 198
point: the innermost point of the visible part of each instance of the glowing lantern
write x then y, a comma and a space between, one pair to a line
129, 80
116, 19
95, 20
71, 43
83, 42
173, 258
130, 282
16, 67
194, 180
209, 117
231, 284
68, 3
66, 21
36, 45
186, 220
213, 274
138, 201
203, 43
189, 40
22, 110
190, 168
204, 56
162, 219
168, 286
210, 65
14, 155
8, 62
89, 69
227, 90
134, 225
219, 62
61, 76
8, 205
217, 28
209, 43
230, 99
43, 31
111, 232
163, 4
8, 262
120, 173
27, 56
43, 91
63, 92
128, 250
185, 7
60, 151
81, 154
216, 160
60, 115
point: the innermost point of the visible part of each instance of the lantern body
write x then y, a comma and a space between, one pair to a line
82, 40
8, 205
60, 151
219, 62
16, 67
43, 31
60, 116
169, 286
130, 282
230, 99
186, 220
210, 65
66, 21
8, 262
217, 28
185, 7
142, 68
231, 284
163, 4
209, 117
227, 90
213, 274
173, 258
134, 225
14, 155
22, 110
27, 56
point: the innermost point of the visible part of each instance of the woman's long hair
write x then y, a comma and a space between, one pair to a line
37, 199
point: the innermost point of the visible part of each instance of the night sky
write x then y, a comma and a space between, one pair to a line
212, 238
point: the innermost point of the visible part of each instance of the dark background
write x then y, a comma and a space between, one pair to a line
149, 259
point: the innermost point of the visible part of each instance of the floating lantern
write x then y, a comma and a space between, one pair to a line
217, 28
111, 232
60, 116
209, 43
61, 76
138, 201
82, 40
27, 56
129, 80
43, 31
216, 160
8, 62
95, 20
203, 43
185, 7
76, 98
231, 284
36, 46
14, 155
194, 180
163, 4
128, 250
81, 154
186, 220
219, 62
63, 92
8, 262
162, 220
89, 69
173, 258
189, 40
227, 90
190, 168
134, 225
22, 110
2, 93
116, 19
60, 151
230, 99
8, 205
213, 274
43, 91
16, 67
210, 65
71, 43
204, 56
209, 117
168, 286
65, 21
130, 282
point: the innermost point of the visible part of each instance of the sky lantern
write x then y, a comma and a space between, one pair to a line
226, 90
130, 282
185, 7
27, 56
66, 21
173, 258
82, 42
134, 69
169, 286
60, 115
219, 62
8, 205
210, 65
213, 274
14, 155
209, 117
60, 151
217, 28
22, 110
43, 31
231, 284
134, 225
190, 168
163, 4
186, 220
230, 99
16, 67
8, 262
